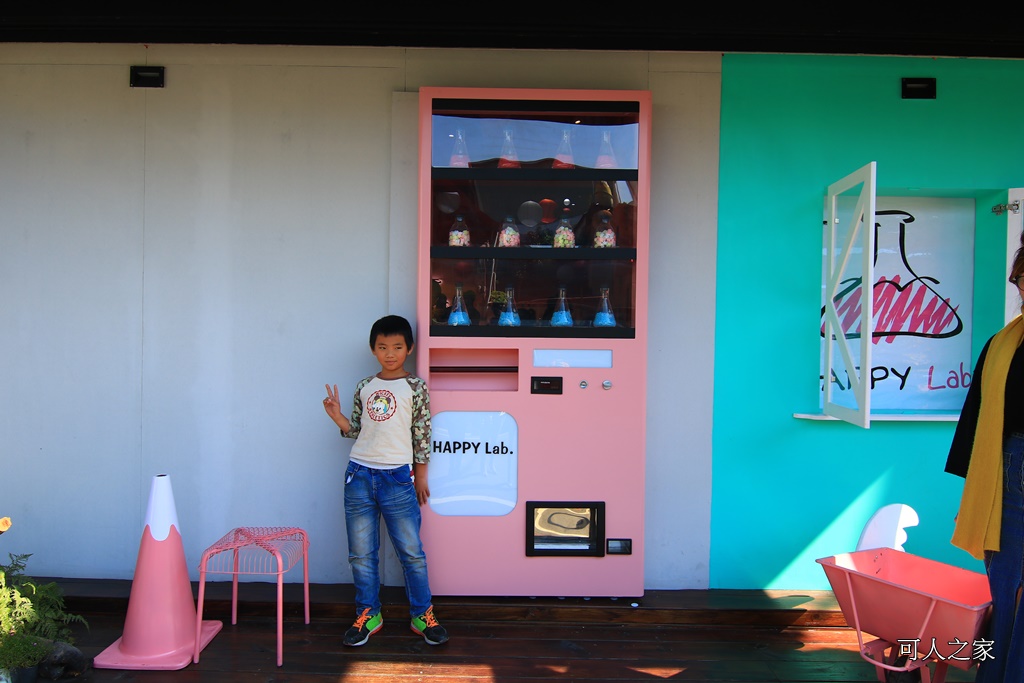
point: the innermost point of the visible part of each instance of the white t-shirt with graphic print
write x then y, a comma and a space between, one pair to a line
390, 422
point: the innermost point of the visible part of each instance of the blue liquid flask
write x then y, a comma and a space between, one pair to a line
459, 315
561, 317
604, 316
510, 316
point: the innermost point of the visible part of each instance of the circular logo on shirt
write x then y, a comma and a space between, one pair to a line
381, 405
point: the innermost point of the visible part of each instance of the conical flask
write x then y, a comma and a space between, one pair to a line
459, 315
606, 155
460, 154
561, 317
604, 316
510, 316
509, 158
563, 157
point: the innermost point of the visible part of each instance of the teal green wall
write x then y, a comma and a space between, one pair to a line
787, 491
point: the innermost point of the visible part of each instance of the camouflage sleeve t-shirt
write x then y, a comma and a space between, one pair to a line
390, 422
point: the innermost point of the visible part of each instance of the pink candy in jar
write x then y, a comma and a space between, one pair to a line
564, 237
604, 238
508, 236
459, 234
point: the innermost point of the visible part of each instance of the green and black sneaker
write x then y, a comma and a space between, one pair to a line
427, 626
364, 627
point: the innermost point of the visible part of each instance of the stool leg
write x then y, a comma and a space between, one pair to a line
199, 609
305, 571
280, 608
234, 589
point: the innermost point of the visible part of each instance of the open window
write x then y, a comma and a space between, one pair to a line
897, 301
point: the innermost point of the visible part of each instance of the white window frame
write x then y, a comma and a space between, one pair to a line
860, 234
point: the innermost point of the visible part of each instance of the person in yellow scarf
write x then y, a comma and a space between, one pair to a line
988, 451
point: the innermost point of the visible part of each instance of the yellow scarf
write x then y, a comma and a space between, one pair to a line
977, 525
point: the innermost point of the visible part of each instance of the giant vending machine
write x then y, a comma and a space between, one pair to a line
532, 335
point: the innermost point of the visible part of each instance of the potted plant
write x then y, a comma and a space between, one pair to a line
20, 655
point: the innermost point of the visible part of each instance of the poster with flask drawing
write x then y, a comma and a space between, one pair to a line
922, 294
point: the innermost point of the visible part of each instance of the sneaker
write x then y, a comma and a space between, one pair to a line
364, 627
426, 625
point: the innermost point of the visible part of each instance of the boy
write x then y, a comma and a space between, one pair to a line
391, 425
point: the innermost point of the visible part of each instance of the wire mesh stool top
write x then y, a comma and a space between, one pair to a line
257, 550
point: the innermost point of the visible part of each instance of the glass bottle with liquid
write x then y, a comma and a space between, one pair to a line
604, 316
605, 154
459, 315
561, 317
460, 154
508, 158
563, 157
509, 317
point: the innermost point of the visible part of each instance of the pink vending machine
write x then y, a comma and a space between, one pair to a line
532, 334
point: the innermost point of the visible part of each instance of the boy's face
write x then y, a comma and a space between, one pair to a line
390, 350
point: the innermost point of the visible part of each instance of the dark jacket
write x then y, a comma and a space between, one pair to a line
959, 458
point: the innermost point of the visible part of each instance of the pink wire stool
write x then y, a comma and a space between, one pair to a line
255, 550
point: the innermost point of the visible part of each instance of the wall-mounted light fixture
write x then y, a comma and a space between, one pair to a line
146, 77
918, 88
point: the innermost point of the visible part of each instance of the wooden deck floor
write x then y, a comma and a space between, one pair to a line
714, 635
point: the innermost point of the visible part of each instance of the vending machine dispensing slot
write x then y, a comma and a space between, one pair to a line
474, 369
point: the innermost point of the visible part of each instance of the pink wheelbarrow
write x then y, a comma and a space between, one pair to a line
919, 611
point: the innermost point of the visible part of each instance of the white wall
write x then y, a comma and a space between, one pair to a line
181, 270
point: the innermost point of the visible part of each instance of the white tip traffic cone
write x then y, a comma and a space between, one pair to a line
160, 628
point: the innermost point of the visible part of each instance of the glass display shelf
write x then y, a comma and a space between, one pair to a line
535, 197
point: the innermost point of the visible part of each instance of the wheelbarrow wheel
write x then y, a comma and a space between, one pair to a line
902, 676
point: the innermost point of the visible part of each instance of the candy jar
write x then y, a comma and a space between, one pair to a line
561, 317
458, 236
509, 235
508, 158
563, 157
604, 316
509, 317
565, 236
605, 234
459, 315
605, 154
460, 155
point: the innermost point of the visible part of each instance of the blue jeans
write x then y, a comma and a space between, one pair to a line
1005, 573
369, 495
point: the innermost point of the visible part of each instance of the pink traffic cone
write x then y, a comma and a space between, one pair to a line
160, 628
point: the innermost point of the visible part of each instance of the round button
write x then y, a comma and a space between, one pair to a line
607, 384
583, 384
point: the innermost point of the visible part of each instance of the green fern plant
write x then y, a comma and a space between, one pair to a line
15, 609
33, 608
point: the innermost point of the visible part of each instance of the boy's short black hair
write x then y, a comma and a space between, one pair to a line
391, 324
